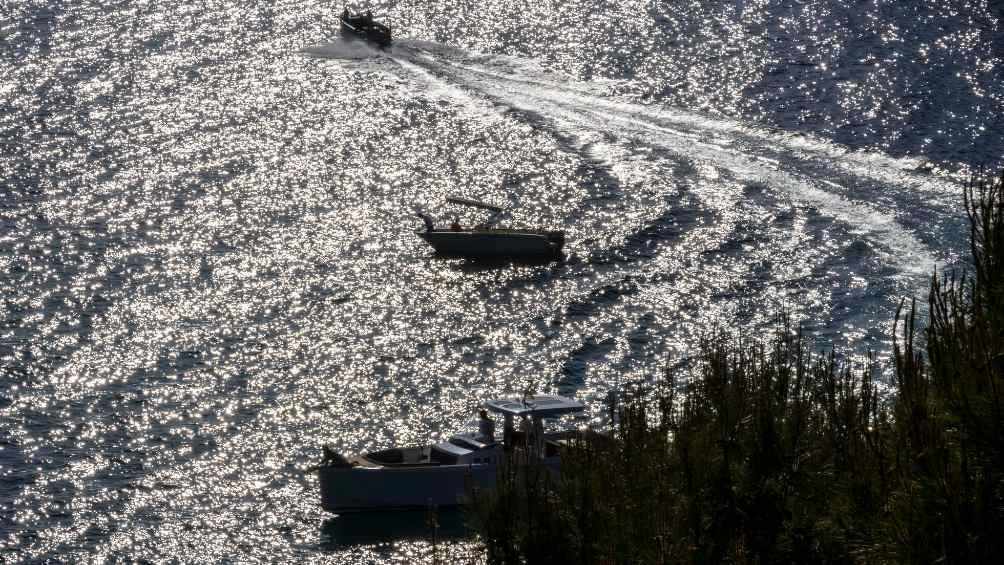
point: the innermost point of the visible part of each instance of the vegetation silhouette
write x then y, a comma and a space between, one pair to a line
770, 454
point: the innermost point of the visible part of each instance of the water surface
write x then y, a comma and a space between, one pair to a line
207, 212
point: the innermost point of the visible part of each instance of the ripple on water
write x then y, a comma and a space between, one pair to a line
209, 270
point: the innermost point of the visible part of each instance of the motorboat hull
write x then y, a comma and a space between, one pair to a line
496, 244
377, 34
446, 473
353, 489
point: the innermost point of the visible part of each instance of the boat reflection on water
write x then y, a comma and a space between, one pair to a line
376, 528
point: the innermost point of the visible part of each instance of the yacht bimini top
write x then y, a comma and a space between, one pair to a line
542, 406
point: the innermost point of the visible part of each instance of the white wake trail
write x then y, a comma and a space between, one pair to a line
901, 171
477, 107
580, 116
342, 49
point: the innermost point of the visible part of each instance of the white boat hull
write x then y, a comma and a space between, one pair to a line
348, 489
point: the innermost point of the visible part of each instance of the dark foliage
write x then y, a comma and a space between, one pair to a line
767, 454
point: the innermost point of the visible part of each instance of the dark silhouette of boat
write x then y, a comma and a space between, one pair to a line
361, 26
485, 241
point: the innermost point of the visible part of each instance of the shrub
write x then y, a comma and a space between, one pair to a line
768, 454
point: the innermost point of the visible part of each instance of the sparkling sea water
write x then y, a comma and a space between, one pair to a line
208, 260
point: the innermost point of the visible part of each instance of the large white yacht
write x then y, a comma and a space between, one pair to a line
442, 474
487, 241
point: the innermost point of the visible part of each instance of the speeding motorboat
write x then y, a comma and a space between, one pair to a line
487, 241
443, 474
362, 26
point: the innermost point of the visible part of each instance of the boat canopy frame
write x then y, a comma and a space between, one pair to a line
474, 203
496, 211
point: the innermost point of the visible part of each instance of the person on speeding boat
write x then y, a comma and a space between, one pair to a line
428, 221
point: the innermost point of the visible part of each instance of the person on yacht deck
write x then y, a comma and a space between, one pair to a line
507, 432
486, 427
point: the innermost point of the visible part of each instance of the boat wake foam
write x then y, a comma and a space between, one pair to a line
342, 49
838, 183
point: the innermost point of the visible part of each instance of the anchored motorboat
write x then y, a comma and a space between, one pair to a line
485, 240
362, 26
443, 474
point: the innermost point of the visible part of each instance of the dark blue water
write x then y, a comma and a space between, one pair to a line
208, 261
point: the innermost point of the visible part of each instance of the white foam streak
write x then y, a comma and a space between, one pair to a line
870, 165
341, 49
581, 116
440, 89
